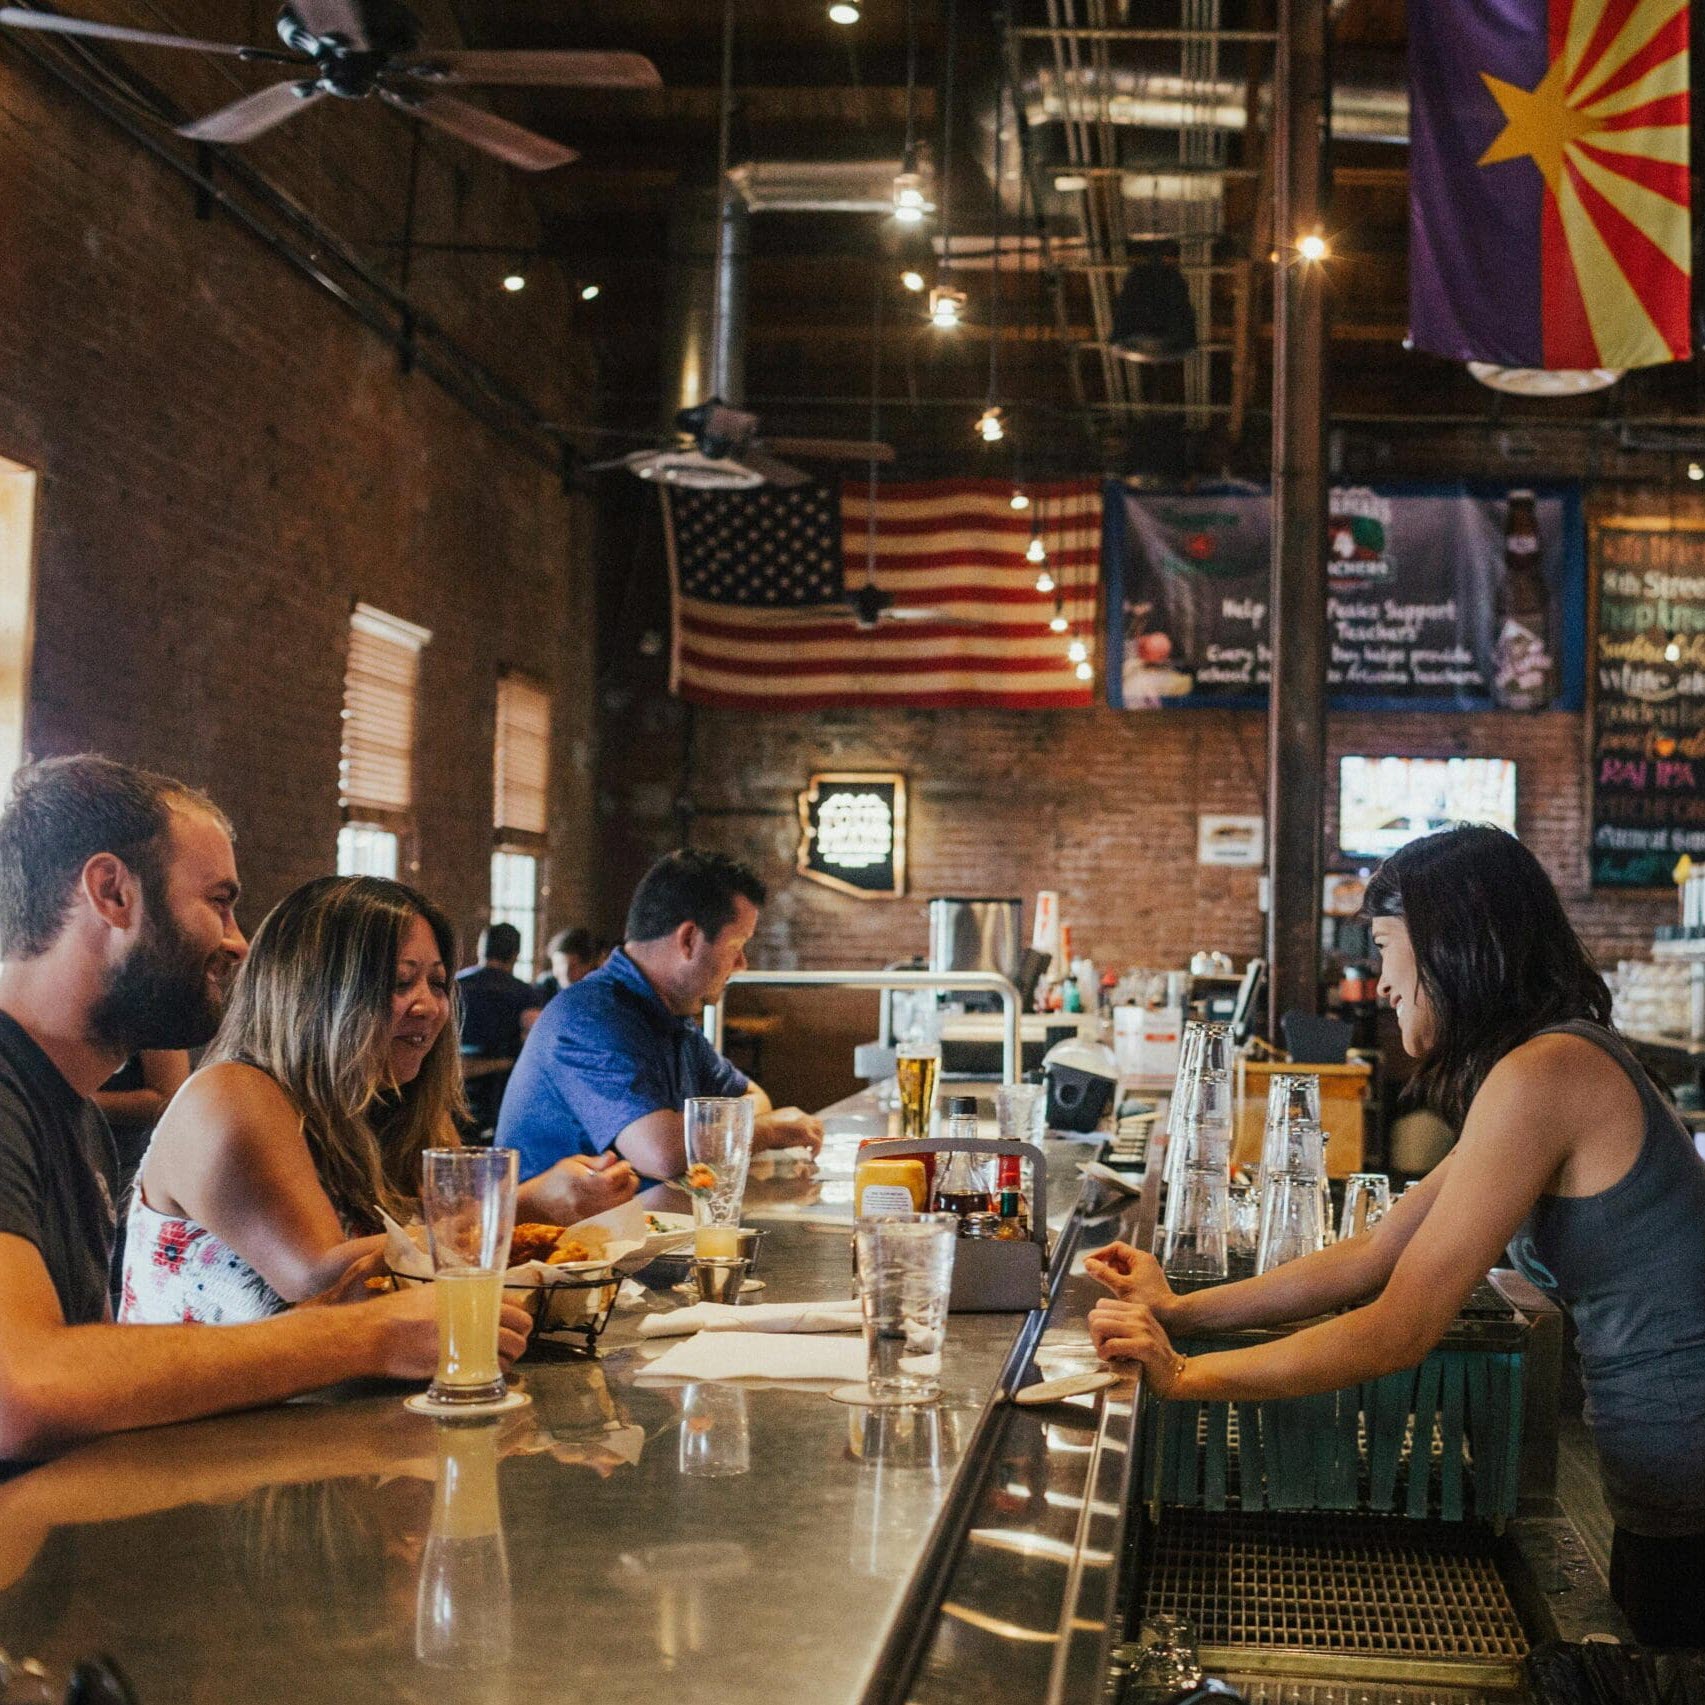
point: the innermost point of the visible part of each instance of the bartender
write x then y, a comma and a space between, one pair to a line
608, 1067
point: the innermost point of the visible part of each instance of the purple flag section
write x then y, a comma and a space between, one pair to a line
1474, 231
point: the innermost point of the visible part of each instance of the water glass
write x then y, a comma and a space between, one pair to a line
719, 1151
467, 1198
1018, 1112
1367, 1200
1293, 1100
1182, 1104
463, 1613
716, 1434
1195, 1225
905, 1271
1196, 1241
1291, 1223
1243, 1222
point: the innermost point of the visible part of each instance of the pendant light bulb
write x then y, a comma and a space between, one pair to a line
1020, 501
1036, 551
1059, 624
1085, 673
844, 12
1044, 582
989, 427
913, 280
514, 281
1695, 471
1077, 651
908, 198
946, 305
1312, 246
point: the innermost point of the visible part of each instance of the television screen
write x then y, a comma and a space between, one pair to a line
1384, 802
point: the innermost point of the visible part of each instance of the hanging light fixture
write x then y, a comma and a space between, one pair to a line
514, 282
1084, 672
1312, 246
844, 12
1036, 551
1045, 582
1058, 623
1077, 651
946, 307
912, 279
589, 293
1020, 501
1153, 319
989, 425
909, 202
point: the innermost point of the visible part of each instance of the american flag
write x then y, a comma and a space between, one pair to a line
760, 581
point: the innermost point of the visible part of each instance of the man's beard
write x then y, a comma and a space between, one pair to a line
160, 996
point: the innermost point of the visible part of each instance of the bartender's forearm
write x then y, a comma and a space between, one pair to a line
1316, 1284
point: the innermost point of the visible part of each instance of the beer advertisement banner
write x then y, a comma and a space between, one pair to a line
1450, 597
1647, 727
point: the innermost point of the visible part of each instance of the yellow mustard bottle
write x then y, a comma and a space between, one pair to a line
889, 1185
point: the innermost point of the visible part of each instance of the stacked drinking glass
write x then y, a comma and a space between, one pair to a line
1198, 1159
1293, 1172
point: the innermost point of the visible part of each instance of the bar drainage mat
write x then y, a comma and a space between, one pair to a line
1358, 1596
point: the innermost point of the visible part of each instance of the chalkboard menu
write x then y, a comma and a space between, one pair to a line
1647, 720
852, 832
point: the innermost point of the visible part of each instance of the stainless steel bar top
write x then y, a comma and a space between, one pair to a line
615, 1540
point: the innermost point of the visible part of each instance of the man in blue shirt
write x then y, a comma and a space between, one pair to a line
611, 1061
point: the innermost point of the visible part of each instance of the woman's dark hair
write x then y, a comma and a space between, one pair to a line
1495, 952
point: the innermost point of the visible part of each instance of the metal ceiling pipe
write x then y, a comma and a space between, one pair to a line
1370, 97
822, 186
705, 325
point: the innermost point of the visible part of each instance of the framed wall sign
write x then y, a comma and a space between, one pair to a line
852, 832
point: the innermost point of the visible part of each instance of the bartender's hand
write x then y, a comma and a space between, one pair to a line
576, 1188
1132, 1275
1129, 1332
787, 1128
407, 1337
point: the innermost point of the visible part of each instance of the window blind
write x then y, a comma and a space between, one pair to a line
521, 783
377, 767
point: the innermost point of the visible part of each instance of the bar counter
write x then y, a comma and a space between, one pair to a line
712, 1541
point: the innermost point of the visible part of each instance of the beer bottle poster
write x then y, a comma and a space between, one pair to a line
1447, 597
1647, 723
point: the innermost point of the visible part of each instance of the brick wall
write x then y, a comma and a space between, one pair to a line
228, 461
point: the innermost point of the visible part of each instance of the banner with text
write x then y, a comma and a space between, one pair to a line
1450, 597
1648, 701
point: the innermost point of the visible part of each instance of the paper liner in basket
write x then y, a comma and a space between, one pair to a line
406, 1255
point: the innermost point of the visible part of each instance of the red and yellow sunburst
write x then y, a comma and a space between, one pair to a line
1607, 126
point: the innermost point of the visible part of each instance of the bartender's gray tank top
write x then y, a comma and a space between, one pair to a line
1629, 1266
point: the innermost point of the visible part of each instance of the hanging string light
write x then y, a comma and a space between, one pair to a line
1058, 623
909, 203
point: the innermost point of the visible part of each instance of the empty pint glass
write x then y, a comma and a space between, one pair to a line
1197, 1205
905, 1277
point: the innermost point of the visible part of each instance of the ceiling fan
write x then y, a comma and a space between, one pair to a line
355, 48
719, 450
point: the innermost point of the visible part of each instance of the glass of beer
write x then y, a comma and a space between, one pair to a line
718, 1131
916, 1067
467, 1198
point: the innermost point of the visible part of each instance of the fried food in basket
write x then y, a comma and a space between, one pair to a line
568, 1249
533, 1242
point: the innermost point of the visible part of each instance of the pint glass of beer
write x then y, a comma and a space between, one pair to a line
467, 1198
916, 1067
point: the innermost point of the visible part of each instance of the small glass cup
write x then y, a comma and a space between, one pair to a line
905, 1272
1018, 1112
1243, 1222
716, 1434
719, 1151
467, 1198
1367, 1200
1291, 1224
463, 1613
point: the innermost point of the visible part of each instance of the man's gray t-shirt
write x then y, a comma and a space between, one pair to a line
58, 1170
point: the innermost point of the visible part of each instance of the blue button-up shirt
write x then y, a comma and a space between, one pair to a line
604, 1052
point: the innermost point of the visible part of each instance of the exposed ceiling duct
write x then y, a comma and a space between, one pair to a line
823, 186
1370, 98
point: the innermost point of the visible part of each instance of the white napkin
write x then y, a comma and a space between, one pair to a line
761, 1355
753, 1317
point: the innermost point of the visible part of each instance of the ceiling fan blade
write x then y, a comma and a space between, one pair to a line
20, 19
497, 136
254, 115
341, 18
775, 471
831, 449
539, 70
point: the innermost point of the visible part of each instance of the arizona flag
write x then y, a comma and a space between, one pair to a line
1548, 202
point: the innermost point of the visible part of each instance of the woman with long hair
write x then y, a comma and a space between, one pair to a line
1569, 1157
336, 1065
